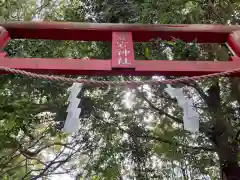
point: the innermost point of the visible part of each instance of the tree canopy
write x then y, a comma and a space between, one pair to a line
125, 133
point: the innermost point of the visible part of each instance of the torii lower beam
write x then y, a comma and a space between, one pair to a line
122, 37
104, 67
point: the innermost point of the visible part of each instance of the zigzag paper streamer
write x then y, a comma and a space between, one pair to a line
190, 116
72, 123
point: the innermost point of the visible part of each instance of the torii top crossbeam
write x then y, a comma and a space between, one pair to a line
122, 37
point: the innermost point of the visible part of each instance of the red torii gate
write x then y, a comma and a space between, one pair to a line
122, 37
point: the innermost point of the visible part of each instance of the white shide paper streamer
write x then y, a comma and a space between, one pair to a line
190, 116
72, 123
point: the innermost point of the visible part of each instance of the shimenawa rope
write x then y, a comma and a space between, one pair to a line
119, 83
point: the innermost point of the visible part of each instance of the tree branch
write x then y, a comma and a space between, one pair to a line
196, 86
203, 127
28, 153
160, 139
60, 162
160, 111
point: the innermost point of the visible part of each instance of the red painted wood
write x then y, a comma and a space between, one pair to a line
57, 66
4, 37
186, 68
234, 42
122, 50
103, 32
103, 67
3, 54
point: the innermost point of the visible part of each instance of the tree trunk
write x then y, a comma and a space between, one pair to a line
220, 135
231, 172
227, 153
